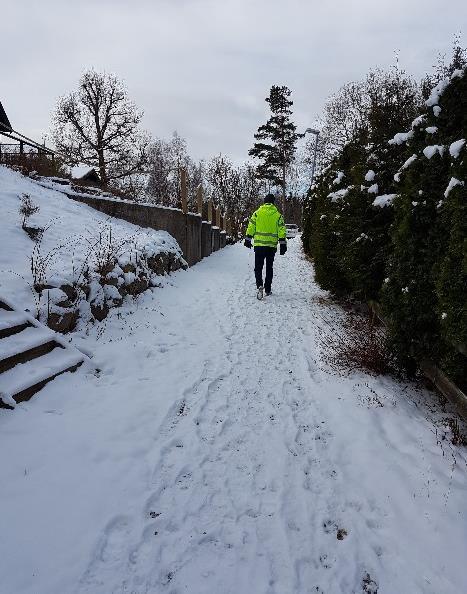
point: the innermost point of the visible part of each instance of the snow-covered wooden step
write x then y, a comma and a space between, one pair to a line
12, 322
26, 345
25, 379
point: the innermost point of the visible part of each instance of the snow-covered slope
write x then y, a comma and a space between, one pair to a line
216, 453
71, 229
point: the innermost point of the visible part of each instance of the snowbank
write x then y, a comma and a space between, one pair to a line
74, 237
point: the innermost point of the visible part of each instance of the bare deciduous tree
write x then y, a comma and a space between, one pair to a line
356, 108
237, 190
166, 159
99, 125
344, 115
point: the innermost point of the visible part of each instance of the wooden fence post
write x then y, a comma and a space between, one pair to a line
183, 190
199, 197
218, 217
210, 211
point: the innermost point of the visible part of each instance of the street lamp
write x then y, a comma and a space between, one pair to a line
316, 133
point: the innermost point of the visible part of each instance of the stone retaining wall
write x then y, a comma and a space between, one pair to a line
196, 238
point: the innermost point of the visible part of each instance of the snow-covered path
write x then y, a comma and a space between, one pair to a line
216, 454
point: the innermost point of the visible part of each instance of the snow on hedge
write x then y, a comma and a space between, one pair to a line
430, 151
439, 89
436, 92
73, 233
409, 162
418, 121
338, 179
453, 182
384, 200
401, 137
335, 196
456, 147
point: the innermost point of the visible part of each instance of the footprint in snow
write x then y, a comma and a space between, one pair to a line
114, 540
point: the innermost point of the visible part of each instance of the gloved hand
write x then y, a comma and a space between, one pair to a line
282, 248
247, 242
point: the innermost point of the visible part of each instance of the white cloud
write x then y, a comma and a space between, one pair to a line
204, 67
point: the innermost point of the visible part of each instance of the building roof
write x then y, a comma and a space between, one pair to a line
5, 125
84, 172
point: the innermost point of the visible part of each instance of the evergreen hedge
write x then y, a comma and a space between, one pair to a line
387, 221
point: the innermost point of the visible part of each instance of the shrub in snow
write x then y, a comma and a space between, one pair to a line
26, 210
360, 344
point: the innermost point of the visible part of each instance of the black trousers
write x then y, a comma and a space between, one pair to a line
263, 253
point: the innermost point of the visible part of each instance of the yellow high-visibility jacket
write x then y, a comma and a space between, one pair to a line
266, 226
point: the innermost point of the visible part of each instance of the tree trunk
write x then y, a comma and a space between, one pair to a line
102, 170
283, 190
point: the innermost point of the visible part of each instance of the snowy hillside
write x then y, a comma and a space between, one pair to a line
73, 235
216, 452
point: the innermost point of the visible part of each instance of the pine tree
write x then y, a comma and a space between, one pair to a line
278, 153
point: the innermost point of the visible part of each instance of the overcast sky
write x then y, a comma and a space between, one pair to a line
204, 67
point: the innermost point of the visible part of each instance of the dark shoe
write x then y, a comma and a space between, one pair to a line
267, 293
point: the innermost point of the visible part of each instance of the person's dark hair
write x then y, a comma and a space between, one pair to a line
269, 198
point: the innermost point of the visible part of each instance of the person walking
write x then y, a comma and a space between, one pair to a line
266, 228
